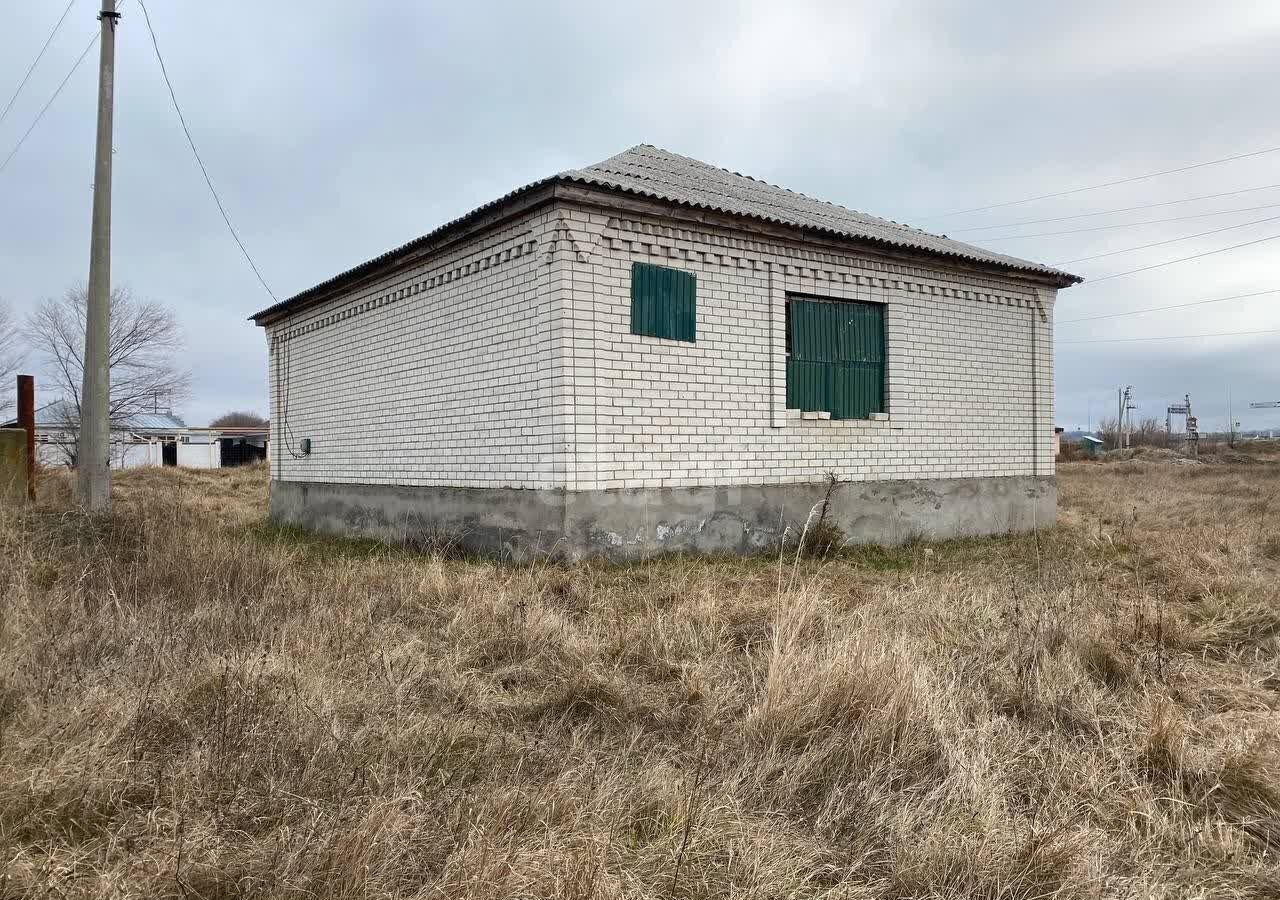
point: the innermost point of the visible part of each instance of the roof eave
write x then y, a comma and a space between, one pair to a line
580, 190
563, 186
482, 218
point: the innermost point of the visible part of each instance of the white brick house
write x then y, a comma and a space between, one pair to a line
601, 362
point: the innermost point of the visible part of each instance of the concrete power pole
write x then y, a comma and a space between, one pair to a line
94, 451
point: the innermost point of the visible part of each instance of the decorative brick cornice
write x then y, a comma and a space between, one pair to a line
491, 257
731, 251
575, 237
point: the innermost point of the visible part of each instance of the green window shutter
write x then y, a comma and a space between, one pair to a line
663, 302
836, 360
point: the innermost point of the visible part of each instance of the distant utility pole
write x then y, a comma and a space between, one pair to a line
1119, 418
1124, 417
1231, 421
1193, 429
94, 452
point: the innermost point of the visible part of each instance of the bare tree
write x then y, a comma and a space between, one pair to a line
11, 356
143, 349
239, 419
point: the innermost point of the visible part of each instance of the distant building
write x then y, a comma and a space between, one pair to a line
148, 439
1057, 439
1091, 445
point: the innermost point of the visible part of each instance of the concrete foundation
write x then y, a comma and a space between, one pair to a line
635, 523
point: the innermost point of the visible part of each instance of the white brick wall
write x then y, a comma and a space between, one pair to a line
964, 397
440, 374
509, 362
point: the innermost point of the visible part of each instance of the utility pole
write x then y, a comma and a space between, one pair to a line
93, 453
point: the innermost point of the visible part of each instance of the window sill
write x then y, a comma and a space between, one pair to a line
824, 416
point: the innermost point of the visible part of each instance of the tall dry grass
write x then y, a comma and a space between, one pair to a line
194, 704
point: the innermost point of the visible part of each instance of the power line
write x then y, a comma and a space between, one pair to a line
1169, 241
1224, 212
40, 115
1148, 309
1105, 184
35, 62
1109, 212
1182, 259
196, 153
1173, 337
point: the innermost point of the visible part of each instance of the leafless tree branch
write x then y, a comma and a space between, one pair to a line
143, 354
12, 353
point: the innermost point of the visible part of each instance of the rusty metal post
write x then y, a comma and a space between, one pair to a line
27, 422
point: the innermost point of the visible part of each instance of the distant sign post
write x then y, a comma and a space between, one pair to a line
1181, 409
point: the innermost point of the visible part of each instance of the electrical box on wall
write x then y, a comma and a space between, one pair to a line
306, 446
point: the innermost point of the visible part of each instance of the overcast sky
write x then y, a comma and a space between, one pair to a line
335, 131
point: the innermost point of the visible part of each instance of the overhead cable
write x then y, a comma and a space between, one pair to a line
1224, 212
1110, 212
44, 109
1169, 241
1181, 259
1150, 309
196, 153
1106, 184
35, 62
1174, 337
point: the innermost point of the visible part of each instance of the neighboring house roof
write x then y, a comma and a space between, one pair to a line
59, 412
657, 174
1091, 439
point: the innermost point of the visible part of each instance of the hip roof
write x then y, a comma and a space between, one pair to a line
658, 174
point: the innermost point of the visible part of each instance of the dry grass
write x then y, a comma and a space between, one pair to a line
194, 704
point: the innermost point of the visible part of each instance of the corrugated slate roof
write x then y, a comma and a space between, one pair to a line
653, 172
658, 174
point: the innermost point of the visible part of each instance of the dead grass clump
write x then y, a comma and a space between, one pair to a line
1224, 623
841, 727
1109, 665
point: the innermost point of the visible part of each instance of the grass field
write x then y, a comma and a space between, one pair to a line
194, 704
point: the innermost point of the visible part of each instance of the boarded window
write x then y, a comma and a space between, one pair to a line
663, 302
835, 357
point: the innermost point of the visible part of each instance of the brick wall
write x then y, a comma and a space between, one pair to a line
966, 394
508, 362
440, 374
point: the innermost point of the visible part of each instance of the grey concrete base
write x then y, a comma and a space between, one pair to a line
631, 524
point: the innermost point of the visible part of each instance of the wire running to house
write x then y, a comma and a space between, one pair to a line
1150, 309
1112, 212
1180, 259
196, 153
35, 62
44, 109
1105, 184
1173, 337
1208, 215
1169, 241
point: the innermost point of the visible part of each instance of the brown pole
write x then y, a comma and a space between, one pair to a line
27, 422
